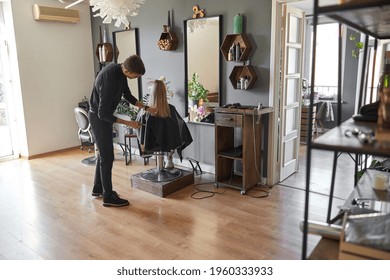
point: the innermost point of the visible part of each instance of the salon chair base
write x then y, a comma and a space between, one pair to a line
163, 188
164, 175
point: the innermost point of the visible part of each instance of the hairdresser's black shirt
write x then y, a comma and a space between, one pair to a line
109, 87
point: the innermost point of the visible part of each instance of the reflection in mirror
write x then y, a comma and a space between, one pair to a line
202, 57
126, 44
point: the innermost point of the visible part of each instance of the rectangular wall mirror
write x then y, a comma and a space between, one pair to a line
125, 43
202, 40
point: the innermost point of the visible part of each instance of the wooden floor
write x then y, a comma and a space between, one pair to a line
47, 212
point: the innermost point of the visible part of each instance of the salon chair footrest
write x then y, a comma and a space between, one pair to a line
162, 188
163, 175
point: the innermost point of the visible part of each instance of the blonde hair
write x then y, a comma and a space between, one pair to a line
158, 98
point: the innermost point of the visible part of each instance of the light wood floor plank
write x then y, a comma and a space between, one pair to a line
47, 212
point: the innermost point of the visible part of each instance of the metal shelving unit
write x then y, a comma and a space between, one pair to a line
373, 19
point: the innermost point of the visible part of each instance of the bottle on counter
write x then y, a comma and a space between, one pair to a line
242, 83
246, 82
230, 55
237, 52
233, 51
238, 83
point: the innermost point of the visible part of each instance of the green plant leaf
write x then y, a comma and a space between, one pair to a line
196, 90
124, 108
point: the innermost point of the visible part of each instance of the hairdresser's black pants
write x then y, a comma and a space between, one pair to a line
102, 132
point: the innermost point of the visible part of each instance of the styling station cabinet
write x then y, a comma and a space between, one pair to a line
238, 146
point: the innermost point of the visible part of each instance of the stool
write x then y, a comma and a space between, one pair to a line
128, 147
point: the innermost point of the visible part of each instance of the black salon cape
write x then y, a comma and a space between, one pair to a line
165, 134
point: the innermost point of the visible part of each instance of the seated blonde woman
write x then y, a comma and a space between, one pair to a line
165, 131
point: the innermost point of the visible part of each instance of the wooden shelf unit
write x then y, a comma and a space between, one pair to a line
231, 39
243, 71
246, 126
168, 40
108, 52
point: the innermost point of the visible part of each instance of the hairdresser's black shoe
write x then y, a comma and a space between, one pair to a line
97, 191
114, 200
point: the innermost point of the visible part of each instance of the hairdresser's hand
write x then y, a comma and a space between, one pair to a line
152, 110
133, 124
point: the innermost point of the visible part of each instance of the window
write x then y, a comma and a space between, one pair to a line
326, 61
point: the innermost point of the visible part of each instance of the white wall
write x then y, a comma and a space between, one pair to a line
56, 70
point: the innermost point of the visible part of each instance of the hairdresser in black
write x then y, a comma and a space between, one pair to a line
109, 87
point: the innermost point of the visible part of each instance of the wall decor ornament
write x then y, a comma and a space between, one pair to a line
238, 22
198, 13
168, 40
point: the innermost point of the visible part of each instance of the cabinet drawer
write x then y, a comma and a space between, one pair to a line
231, 120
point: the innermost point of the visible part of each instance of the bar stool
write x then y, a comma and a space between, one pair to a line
127, 148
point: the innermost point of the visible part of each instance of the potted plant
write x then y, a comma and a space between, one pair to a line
124, 108
127, 112
196, 90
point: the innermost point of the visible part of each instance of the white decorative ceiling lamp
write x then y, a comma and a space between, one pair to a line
116, 10
71, 3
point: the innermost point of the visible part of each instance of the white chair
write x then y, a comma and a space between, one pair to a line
84, 133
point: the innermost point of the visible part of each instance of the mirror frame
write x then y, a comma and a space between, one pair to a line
186, 60
136, 39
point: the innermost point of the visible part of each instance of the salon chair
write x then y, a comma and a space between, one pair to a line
163, 136
324, 113
85, 133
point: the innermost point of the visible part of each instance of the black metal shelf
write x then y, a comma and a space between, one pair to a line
372, 18
340, 139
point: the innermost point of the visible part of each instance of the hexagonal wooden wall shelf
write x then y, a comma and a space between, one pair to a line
168, 40
243, 71
231, 39
108, 52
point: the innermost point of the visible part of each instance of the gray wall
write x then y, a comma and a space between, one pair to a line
153, 15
